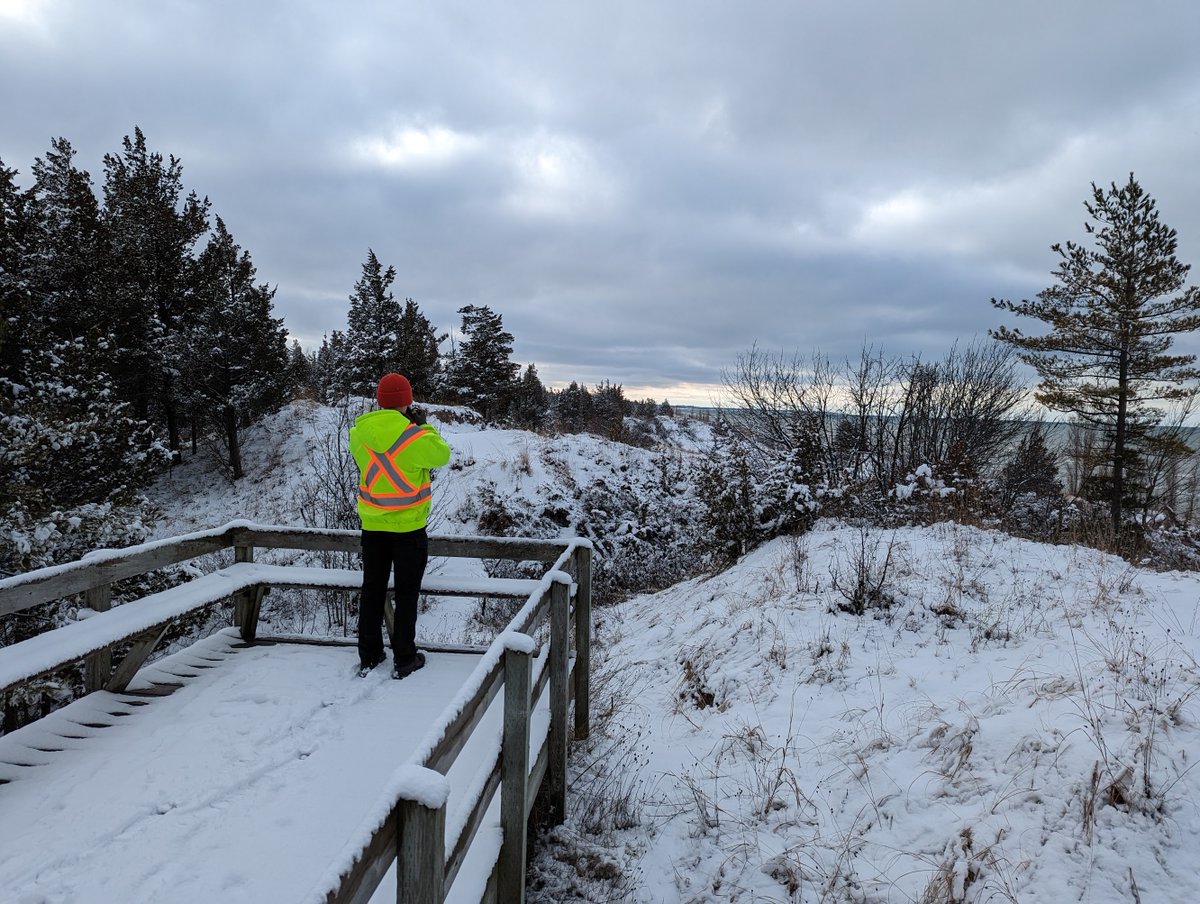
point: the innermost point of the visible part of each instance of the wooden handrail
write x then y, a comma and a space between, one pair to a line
22, 591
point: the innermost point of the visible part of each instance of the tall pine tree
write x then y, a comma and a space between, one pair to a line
1112, 315
153, 228
372, 343
484, 372
238, 367
418, 347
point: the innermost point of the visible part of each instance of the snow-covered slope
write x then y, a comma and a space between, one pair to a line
1018, 723
1005, 721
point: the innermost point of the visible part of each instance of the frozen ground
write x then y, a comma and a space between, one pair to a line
1014, 722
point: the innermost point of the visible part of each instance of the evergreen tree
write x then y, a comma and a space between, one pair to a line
418, 346
529, 405
484, 371
239, 361
726, 488
372, 329
1112, 314
301, 370
573, 408
68, 252
332, 367
608, 411
16, 316
1033, 469
153, 229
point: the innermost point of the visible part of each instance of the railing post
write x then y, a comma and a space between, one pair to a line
421, 853
583, 640
98, 666
556, 767
242, 599
514, 775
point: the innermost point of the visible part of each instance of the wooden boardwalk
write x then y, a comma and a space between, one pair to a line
265, 769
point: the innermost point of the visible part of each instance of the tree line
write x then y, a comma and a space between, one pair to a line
477, 369
132, 323
873, 435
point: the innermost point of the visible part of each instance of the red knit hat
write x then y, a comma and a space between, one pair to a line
393, 392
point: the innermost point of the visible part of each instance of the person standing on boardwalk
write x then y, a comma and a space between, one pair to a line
394, 449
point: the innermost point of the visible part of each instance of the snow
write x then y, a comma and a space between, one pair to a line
1034, 741
241, 786
1019, 722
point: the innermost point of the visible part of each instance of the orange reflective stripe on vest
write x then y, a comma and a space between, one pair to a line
383, 464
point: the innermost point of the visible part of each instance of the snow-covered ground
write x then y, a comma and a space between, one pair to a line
1005, 721
1020, 723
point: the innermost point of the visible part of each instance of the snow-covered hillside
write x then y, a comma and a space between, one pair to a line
1016, 722
930, 715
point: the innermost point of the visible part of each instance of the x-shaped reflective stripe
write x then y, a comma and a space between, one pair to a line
384, 463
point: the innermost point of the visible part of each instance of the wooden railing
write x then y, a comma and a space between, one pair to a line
413, 832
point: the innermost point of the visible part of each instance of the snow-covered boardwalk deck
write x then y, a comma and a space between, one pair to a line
257, 770
245, 784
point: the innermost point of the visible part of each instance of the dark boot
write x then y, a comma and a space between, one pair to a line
409, 664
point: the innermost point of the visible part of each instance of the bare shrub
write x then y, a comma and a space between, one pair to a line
863, 580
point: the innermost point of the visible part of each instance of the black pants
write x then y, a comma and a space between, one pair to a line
385, 552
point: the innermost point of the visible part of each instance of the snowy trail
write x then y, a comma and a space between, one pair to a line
243, 785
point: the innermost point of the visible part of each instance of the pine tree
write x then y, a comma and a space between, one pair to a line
484, 371
153, 229
529, 405
372, 329
1112, 314
301, 371
16, 316
68, 253
1033, 469
418, 346
608, 410
573, 408
238, 367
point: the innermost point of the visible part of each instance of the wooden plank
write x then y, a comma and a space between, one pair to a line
537, 774
520, 549
556, 789
428, 646
583, 641
536, 616
421, 854
142, 647
514, 777
98, 666
442, 757
46, 584
359, 883
478, 811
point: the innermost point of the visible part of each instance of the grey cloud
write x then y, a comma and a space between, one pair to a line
815, 175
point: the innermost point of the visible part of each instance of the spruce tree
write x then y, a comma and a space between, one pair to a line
1113, 312
573, 408
418, 349
529, 405
153, 228
238, 367
15, 296
301, 370
68, 254
372, 342
484, 373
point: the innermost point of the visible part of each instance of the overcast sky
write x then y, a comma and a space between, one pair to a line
641, 189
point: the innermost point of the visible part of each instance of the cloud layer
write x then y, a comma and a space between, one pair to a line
642, 190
